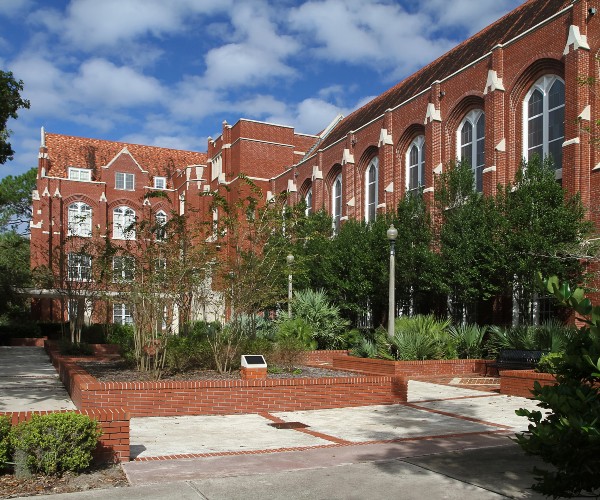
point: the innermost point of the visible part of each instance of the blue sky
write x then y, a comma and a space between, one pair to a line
168, 72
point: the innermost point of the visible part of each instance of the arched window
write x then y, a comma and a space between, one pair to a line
161, 222
308, 201
336, 203
544, 119
123, 223
80, 219
415, 164
471, 145
371, 189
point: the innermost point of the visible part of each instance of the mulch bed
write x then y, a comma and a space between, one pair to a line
107, 476
119, 371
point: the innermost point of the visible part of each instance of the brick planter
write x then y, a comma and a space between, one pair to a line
520, 382
214, 397
28, 341
426, 368
113, 445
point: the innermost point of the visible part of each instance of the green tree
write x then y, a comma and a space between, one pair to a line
543, 223
472, 254
15, 200
10, 103
14, 273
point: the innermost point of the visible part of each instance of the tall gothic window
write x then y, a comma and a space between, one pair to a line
80, 219
371, 189
471, 145
336, 203
161, 223
415, 164
123, 223
308, 201
544, 119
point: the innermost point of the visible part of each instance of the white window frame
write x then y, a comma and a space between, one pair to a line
123, 218
418, 143
544, 85
161, 221
79, 219
337, 197
123, 268
472, 119
371, 189
308, 200
79, 267
80, 174
124, 181
160, 183
122, 313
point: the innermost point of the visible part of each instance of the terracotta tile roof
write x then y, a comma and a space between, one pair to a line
67, 151
519, 20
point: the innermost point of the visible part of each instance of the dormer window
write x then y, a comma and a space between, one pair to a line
124, 181
80, 174
160, 183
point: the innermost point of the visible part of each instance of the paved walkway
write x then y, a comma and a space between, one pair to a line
445, 442
29, 382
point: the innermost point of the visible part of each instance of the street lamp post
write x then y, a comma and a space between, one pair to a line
290, 261
392, 234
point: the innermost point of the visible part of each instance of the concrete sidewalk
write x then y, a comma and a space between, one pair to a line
445, 442
29, 382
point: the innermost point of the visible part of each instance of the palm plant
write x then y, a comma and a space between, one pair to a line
327, 325
468, 340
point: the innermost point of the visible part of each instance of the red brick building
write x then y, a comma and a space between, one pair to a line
509, 91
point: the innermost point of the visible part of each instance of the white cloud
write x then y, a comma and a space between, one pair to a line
91, 24
10, 8
101, 83
257, 54
473, 16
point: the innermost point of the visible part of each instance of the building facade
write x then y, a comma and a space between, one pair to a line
510, 91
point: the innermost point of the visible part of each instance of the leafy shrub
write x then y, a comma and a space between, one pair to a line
68, 348
422, 337
5, 441
549, 363
96, 333
122, 335
299, 329
187, 353
56, 442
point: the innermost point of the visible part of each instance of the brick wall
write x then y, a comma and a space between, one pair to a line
520, 382
28, 342
113, 445
409, 368
215, 397
323, 356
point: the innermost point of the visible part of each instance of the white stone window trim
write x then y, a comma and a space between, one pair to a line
79, 219
473, 118
123, 218
124, 181
79, 174
336, 210
419, 143
79, 267
543, 84
160, 183
373, 165
122, 313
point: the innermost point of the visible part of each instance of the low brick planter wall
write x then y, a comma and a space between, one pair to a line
317, 358
426, 368
28, 342
113, 445
218, 397
520, 382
